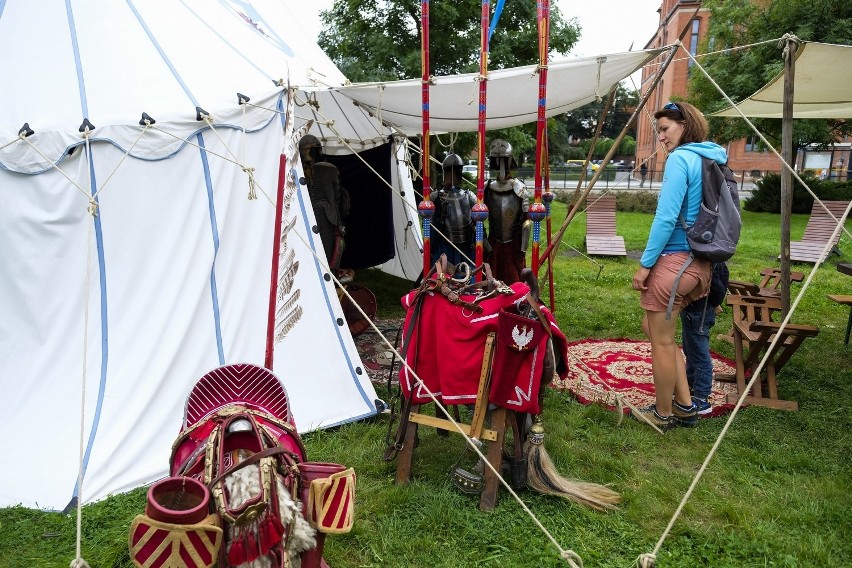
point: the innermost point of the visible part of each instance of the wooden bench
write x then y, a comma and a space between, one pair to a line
753, 335
768, 287
846, 301
601, 238
818, 232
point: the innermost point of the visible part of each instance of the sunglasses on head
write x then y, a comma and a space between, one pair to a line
672, 106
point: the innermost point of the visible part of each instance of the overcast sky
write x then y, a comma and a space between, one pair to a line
609, 26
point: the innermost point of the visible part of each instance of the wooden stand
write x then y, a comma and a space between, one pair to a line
494, 434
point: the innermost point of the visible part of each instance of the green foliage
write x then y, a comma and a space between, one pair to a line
639, 201
766, 196
775, 494
741, 73
380, 41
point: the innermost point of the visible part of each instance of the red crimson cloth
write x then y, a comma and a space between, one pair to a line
446, 343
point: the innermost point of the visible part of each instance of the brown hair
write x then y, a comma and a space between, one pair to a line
694, 124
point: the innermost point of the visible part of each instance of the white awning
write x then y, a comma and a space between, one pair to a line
512, 96
822, 86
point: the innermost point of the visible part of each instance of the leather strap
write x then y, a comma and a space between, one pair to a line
252, 459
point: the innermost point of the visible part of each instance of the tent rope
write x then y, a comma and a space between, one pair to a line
601, 61
762, 138
571, 557
78, 561
647, 559
249, 171
330, 125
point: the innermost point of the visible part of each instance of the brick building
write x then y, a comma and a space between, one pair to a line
743, 155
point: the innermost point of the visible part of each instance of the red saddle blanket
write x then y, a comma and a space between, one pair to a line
445, 344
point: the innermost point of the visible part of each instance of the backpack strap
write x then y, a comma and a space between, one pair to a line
680, 272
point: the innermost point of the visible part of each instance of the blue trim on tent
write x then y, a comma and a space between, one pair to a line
203, 22
319, 270
214, 227
2, 7
81, 84
252, 19
99, 241
162, 53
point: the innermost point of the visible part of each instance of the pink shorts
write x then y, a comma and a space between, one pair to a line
694, 282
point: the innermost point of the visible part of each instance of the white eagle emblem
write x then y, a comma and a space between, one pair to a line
522, 336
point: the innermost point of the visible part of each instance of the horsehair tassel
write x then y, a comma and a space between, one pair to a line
542, 476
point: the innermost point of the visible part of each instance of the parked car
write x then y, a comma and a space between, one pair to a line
473, 170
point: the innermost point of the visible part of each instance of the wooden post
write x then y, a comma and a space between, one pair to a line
786, 175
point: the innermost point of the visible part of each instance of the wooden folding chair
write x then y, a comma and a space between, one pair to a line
818, 232
601, 238
753, 334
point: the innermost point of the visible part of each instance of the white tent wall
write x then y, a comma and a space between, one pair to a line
175, 269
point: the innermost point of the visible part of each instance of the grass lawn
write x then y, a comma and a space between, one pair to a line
777, 493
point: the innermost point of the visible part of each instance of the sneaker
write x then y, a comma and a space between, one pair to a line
650, 413
684, 416
702, 406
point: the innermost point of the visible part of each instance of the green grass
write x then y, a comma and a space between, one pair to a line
777, 493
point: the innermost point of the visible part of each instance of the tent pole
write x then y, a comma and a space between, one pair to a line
276, 249
548, 197
537, 211
479, 212
786, 175
549, 251
426, 209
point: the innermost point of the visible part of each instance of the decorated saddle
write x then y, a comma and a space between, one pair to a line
260, 503
444, 333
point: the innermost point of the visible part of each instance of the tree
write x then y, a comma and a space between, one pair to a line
379, 40
741, 73
581, 123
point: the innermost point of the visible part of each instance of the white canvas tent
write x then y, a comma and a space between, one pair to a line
108, 320
822, 86
172, 277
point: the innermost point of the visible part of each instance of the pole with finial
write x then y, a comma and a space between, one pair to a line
426, 209
479, 212
537, 211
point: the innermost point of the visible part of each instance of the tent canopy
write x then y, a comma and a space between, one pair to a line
822, 87
512, 93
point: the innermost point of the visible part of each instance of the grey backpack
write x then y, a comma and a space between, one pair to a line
716, 231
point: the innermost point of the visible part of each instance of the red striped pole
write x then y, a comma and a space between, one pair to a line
538, 211
426, 209
479, 212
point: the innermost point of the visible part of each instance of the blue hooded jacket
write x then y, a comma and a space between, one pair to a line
680, 194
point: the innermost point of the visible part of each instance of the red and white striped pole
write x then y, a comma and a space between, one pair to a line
426, 209
479, 212
538, 211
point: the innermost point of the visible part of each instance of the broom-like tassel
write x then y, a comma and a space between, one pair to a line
543, 477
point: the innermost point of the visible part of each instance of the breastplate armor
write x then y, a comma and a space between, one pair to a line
504, 214
456, 205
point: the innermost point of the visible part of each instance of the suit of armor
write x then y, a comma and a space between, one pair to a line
507, 200
329, 200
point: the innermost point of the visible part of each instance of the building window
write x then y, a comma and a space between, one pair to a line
752, 144
693, 41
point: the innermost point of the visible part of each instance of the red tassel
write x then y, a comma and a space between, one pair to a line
264, 536
252, 552
236, 552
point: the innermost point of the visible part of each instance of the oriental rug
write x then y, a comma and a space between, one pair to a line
598, 369
379, 361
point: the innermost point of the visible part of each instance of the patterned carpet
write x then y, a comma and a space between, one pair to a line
600, 368
375, 353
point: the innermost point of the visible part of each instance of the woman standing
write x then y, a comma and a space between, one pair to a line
682, 129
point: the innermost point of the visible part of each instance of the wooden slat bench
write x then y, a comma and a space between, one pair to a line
601, 238
818, 232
